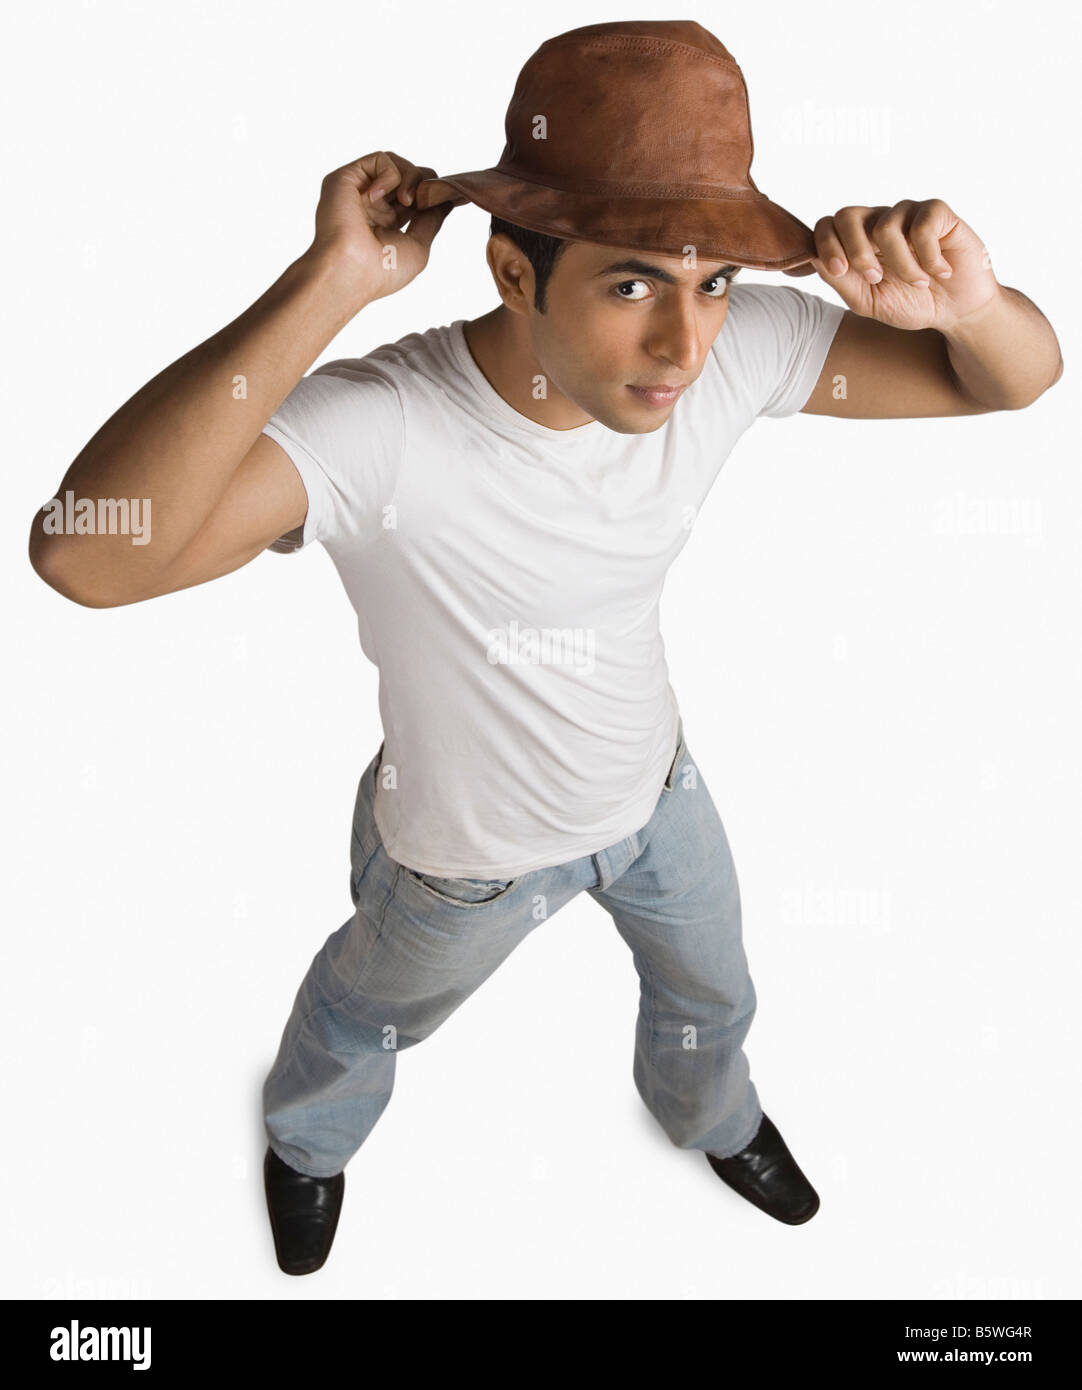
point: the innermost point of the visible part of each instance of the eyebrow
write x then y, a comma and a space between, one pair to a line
655, 271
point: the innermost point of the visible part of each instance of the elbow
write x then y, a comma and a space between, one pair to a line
1059, 373
53, 561
1032, 400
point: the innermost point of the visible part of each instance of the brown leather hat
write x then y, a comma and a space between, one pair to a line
634, 134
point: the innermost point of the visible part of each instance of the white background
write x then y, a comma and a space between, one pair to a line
885, 710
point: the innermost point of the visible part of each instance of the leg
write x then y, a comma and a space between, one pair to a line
413, 951
678, 908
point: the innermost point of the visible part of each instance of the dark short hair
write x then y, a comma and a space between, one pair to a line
542, 252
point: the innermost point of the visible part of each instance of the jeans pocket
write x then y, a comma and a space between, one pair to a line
462, 892
359, 861
365, 838
675, 766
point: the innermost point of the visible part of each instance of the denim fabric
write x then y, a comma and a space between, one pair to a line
417, 946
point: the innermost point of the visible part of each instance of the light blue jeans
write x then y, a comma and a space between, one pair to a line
417, 946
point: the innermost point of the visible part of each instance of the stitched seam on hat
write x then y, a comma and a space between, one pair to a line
706, 191
749, 254
615, 239
657, 45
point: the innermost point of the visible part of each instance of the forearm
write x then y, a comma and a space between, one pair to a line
180, 438
1006, 353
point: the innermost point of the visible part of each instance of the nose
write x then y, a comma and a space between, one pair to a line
674, 333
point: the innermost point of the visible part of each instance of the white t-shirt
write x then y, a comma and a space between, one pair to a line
507, 576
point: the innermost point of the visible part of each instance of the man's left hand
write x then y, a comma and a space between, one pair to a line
932, 270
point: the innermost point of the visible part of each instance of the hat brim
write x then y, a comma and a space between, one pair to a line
755, 233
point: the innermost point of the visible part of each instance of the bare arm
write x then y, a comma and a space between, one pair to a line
876, 372
999, 359
189, 442
929, 329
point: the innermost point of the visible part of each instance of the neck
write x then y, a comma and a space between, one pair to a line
499, 343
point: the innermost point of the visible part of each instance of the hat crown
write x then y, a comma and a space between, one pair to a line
643, 105
634, 134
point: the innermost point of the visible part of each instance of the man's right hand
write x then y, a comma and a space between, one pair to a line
191, 442
361, 221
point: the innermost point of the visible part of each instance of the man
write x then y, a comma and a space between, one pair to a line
502, 499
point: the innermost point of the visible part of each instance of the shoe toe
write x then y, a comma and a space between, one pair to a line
766, 1174
303, 1212
302, 1242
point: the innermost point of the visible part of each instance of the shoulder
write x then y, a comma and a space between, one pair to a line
396, 364
773, 342
760, 304
774, 321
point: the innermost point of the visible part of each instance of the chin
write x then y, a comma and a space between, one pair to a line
638, 426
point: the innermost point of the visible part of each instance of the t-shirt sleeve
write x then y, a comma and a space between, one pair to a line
343, 428
776, 339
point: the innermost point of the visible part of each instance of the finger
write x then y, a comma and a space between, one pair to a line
416, 176
924, 231
362, 172
853, 224
828, 244
409, 177
384, 213
888, 235
384, 176
420, 187
424, 225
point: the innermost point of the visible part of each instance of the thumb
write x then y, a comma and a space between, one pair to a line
423, 226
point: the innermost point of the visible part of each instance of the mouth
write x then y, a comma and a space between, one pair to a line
657, 395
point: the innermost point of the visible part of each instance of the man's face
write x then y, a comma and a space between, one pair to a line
616, 320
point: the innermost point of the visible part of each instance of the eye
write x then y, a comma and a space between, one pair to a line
623, 286
715, 288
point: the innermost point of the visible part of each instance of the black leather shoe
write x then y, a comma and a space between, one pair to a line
303, 1214
766, 1173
